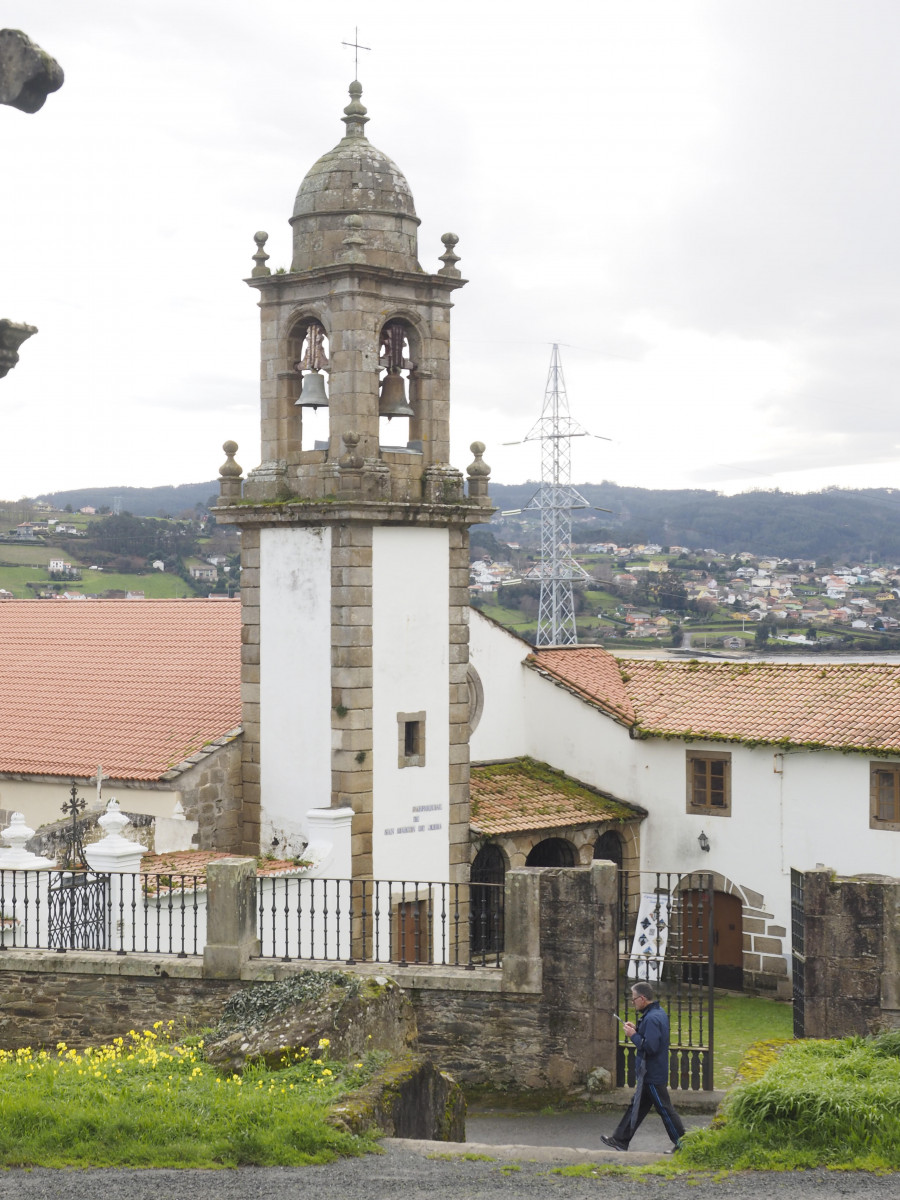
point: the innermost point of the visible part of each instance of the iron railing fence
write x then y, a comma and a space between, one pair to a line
381, 921
86, 910
666, 937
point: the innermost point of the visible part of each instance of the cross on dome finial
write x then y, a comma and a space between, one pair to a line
356, 49
355, 113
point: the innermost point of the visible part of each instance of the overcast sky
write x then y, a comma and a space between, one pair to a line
697, 198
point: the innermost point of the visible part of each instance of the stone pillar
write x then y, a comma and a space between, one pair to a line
521, 929
579, 962
852, 952
231, 923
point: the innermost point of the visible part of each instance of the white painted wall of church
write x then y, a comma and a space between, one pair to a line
813, 809
497, 656
295, 680
411, 673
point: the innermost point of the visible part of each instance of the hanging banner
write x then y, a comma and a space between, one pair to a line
651, 936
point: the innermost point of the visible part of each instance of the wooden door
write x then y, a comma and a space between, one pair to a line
728, 937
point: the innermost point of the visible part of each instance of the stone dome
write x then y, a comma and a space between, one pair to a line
355, 180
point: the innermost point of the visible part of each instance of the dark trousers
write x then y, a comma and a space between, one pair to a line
647, 1096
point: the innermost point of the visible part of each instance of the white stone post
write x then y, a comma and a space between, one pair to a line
120, 858
24, 884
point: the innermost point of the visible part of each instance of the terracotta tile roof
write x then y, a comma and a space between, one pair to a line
195, 862
523, 794
595, 675
842, 706
137, 685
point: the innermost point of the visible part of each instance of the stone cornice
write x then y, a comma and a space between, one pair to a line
373, 512
358, 270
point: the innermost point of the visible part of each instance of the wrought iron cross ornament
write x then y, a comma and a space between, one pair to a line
73, 857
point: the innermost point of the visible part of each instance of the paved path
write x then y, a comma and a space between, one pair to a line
578, 1129
508, 1155
406, 1174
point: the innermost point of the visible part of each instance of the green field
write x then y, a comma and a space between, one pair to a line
31, 554
154, 585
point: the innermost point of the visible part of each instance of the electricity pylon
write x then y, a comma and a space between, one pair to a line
555, 501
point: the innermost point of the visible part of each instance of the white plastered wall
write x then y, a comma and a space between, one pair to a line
295, 680
497, 656
41, 802
410, 674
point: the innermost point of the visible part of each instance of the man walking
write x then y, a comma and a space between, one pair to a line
651, 1037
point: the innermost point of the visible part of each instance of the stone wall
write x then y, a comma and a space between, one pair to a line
85, 999
852, 954
540, 1021
211, 793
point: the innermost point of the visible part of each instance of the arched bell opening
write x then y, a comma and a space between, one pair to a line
309, 349
397, 392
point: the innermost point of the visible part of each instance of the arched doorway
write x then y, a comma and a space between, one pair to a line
728, 938
487, 877
609, 846
551, 852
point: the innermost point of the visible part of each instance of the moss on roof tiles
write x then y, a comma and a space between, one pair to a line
850, 707
521, 793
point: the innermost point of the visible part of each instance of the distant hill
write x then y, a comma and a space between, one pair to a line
140, 502
839, 523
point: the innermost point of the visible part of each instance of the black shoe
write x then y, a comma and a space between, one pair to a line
613, 1142
673, 1149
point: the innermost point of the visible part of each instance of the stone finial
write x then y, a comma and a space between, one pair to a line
351, 459
230, 474
449, 258
260, 257
355, 113
479, 474
354, 241
12, 335
18, 834
27, 73
114, 821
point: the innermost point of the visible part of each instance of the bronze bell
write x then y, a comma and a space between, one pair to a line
312, 393
392, 401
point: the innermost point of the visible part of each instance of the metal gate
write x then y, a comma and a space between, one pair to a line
77, 903
798, 952
666, 938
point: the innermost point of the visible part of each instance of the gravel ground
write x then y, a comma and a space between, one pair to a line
409, 1174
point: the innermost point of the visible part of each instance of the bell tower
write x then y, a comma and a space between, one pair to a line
355, 537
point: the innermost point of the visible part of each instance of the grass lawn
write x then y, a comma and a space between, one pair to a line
147, 1100
810, 1103
739, 1022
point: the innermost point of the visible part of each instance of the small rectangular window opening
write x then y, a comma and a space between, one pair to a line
411, 737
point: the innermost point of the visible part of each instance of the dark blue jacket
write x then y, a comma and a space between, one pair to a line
652, 1041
